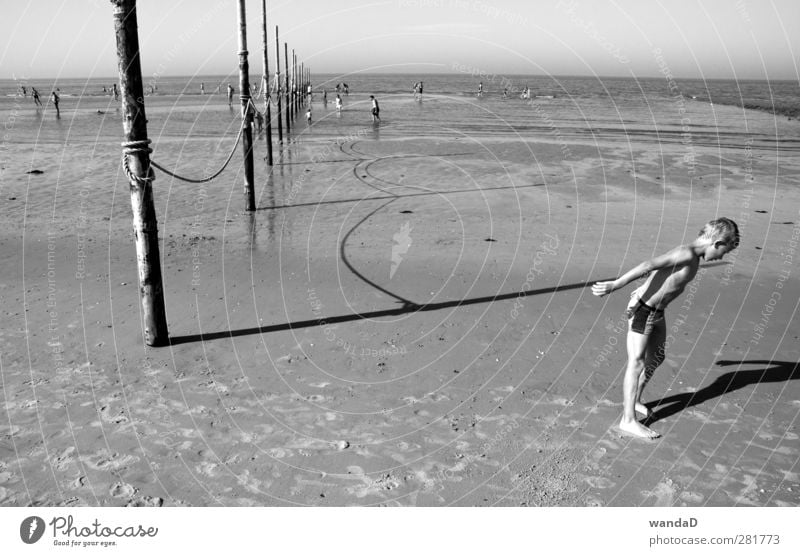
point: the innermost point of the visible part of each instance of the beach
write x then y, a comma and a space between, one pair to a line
406, 319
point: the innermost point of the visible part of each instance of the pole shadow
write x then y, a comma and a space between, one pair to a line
405, 308
773, 371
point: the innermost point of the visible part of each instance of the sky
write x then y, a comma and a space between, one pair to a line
745, 39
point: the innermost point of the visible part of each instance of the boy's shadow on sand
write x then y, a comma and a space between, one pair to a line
773, 371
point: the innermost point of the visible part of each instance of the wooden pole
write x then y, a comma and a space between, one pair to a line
278, 83
267, 96
296, 84
134, 123
294, 81
294, 87
247, 112
288, 105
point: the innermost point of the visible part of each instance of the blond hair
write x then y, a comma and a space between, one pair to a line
721, 229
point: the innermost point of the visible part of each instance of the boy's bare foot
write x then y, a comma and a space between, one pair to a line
643, 409
638, 430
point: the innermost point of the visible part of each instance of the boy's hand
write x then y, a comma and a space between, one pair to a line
602, 288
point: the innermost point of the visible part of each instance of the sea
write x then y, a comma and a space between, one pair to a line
193, 134
779, 97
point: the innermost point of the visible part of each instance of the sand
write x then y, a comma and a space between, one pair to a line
406, 320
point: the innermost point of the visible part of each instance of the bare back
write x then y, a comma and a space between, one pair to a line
665, 284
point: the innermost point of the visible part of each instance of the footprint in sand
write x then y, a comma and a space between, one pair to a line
207, 468
404, 446
64, 459
692, 497
115, 461
664, 493
279, 453
370, 486
146, 502
599, 482
122, 490
118, 419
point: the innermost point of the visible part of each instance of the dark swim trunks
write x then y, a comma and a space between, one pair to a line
644, 318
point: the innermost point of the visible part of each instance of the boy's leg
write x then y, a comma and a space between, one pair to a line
653, 358
637, 354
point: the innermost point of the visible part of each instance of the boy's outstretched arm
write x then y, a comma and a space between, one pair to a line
676, 257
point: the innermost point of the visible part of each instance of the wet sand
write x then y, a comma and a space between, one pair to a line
406, 320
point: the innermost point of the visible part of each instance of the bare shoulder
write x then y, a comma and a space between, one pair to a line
682, 255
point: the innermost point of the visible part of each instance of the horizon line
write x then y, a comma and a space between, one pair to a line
489, 77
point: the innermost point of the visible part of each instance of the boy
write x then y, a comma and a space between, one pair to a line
647, 330
376, 110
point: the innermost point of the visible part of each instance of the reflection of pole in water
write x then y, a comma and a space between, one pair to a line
271, 204
282, 165
250, 220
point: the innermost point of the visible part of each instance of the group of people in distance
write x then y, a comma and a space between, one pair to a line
37, 101
339, 104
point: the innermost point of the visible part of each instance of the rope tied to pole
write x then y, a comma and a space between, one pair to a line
130, 147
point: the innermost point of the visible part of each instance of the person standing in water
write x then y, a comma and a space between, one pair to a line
54, 98
376, 110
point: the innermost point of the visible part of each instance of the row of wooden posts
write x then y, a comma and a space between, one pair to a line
290, 97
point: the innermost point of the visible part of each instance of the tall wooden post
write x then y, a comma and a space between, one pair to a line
134, 123
267, 96
294, 84
278, 83
247, 112
288, 105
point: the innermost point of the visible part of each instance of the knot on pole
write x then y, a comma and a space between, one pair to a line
243, 53
130, 147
